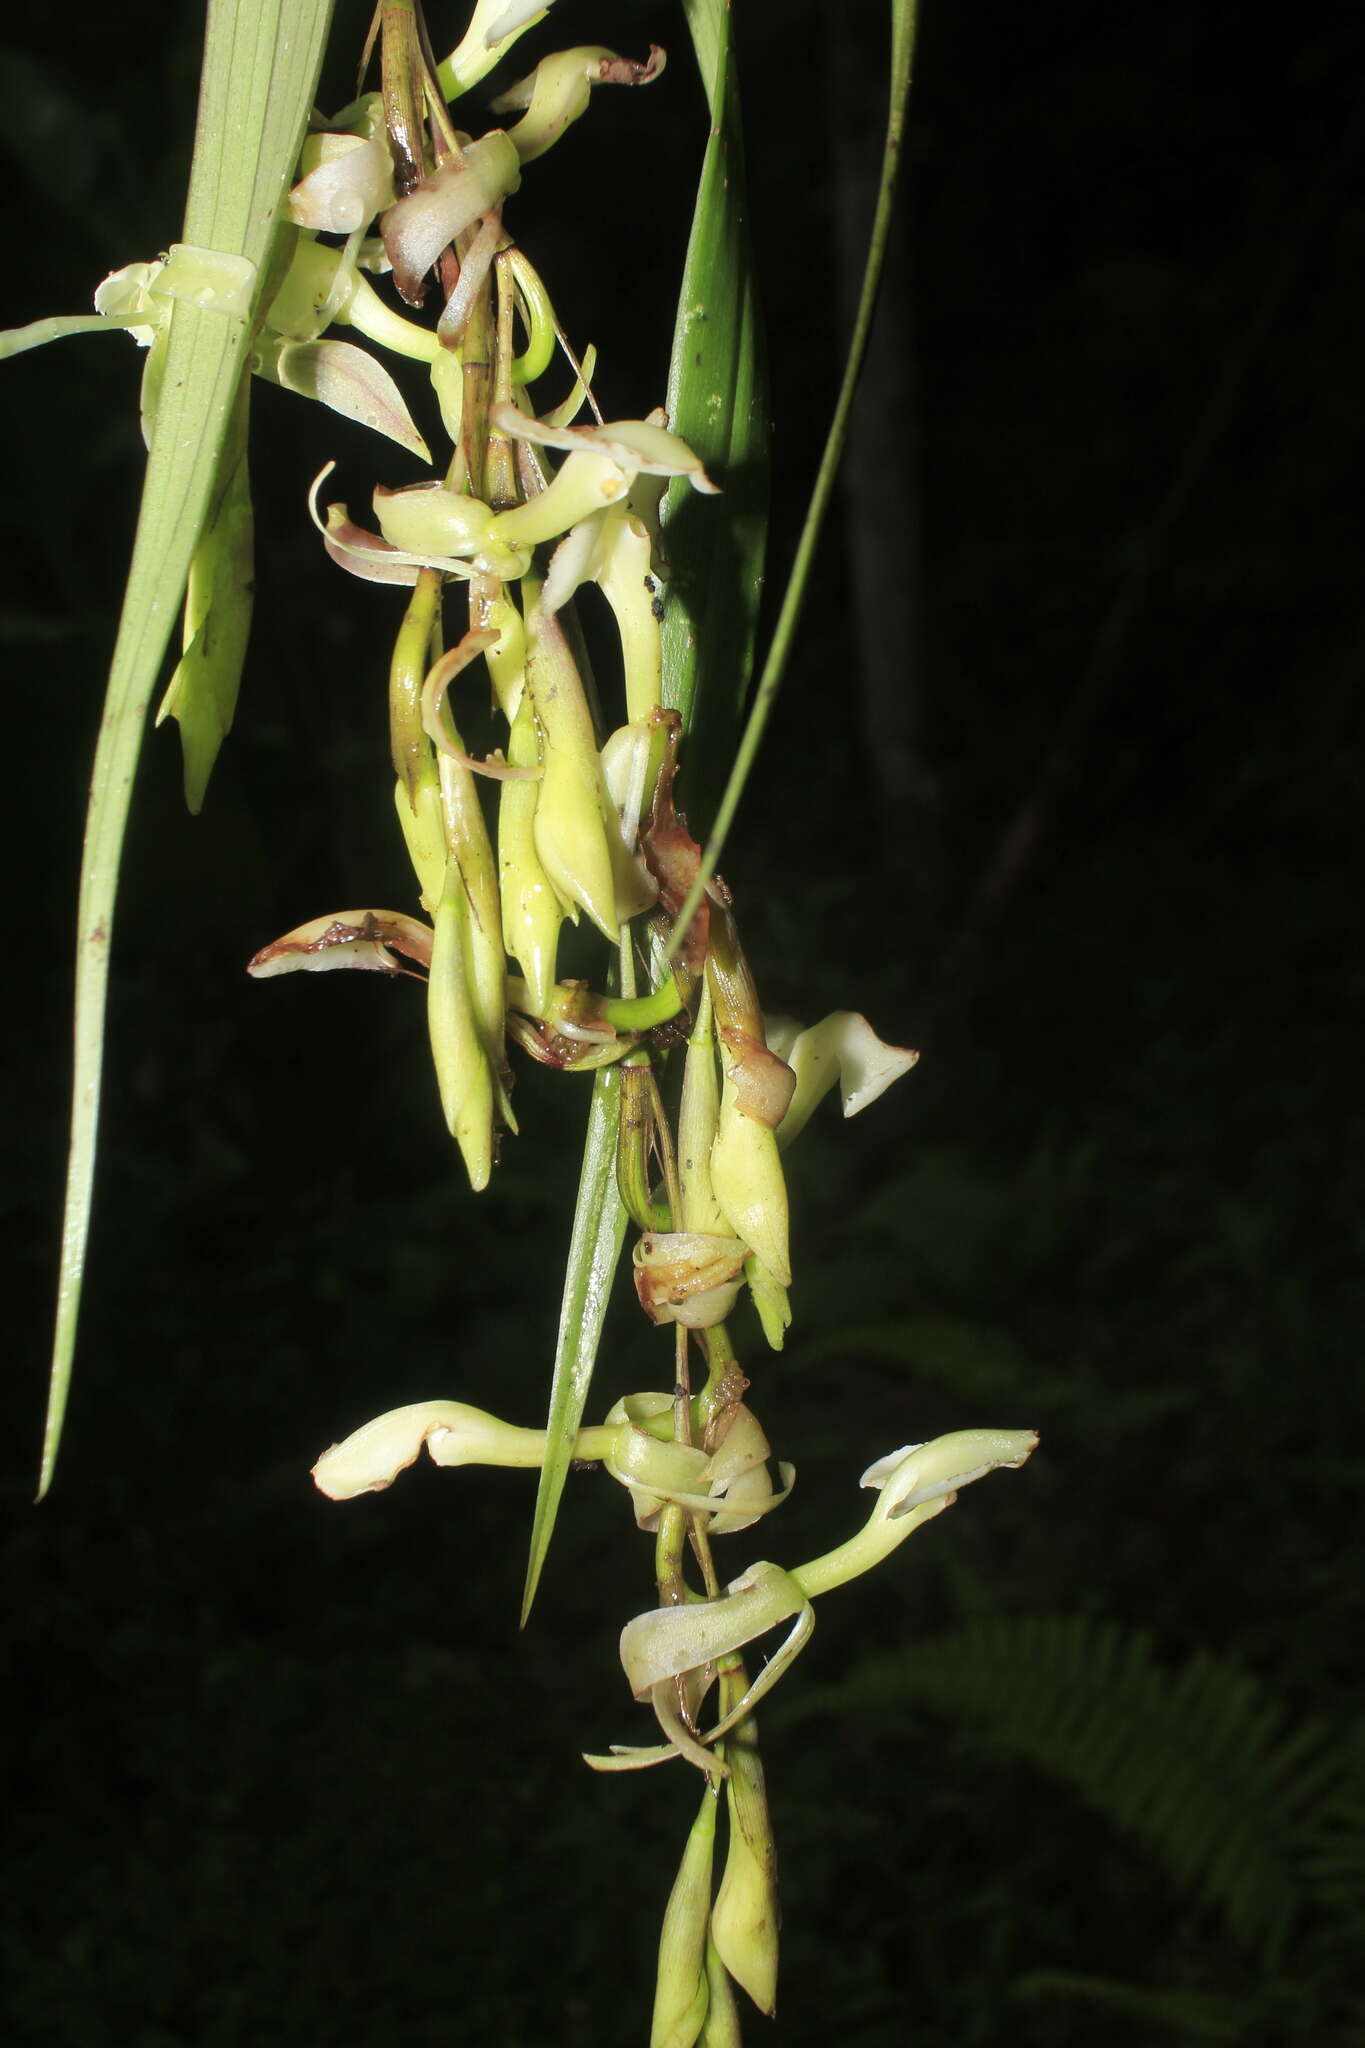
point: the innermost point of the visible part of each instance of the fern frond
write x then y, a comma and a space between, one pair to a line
1199, 2015
1200, 1766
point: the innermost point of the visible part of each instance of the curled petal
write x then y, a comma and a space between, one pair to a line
556, 93
348, 180
474, 269
668, 1712
439, 679
688, 1277
625, 1756
126, 296
419, 226
668, 1641
349, 938
353, 547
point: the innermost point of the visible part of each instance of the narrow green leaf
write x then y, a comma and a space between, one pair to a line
261, 63
717, 402
784, 633
599, 1229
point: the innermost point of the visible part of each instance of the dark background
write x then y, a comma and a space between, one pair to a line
1064, 788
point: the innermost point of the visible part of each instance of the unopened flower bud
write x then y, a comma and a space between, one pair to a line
680, 1993
571, 802
531, 910
746, 1174
745, 1919
720, 2029
462, 1070
698, 1118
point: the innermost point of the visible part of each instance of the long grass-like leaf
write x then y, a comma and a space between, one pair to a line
599, 1227
261, 63
784, 632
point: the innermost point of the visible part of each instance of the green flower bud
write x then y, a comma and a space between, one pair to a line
462, 1070
424, 832
745, 1919
680, 1994
698, 1118
746, 1174
721, 2026
531, 910
571, 801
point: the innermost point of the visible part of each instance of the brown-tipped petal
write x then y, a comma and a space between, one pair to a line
349, 938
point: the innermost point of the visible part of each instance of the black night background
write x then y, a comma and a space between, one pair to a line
1064, 788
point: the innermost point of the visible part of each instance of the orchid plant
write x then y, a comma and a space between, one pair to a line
374, 218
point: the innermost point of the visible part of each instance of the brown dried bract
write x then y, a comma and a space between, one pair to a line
763, 1083
673, 856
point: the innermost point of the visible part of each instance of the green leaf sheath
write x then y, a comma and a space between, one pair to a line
599, 1229
261, 64
784, 632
